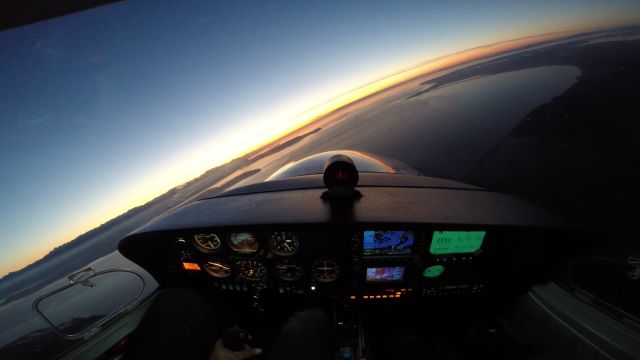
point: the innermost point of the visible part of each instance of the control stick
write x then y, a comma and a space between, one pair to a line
235, 339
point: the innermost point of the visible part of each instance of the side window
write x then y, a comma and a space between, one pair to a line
89, 301
610, 283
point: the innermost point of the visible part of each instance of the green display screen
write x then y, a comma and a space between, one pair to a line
456, 242
433, 271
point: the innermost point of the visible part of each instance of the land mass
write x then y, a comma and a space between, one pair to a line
103, 239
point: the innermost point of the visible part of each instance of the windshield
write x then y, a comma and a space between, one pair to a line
115, 115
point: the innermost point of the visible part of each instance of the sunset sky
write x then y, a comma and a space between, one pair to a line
105, 109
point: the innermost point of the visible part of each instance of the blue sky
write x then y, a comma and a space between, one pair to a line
104, 109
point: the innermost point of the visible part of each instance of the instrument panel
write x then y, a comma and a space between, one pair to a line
365, 264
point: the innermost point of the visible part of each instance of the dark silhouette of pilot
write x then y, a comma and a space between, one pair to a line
181, 324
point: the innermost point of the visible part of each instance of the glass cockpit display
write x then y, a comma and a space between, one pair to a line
387, 242
244, 243
395, 273
456, 242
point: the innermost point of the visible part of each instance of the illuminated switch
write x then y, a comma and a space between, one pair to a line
190, 266
365, 297
378, 296
385, 296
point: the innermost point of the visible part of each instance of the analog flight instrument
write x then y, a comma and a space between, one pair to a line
288, 270
283, 243
208, 243
218, 268
325, 271
251, 270
243, 243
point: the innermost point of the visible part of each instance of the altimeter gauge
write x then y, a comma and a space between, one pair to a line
283, 243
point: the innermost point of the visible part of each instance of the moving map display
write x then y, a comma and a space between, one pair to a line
387, 242
395, 273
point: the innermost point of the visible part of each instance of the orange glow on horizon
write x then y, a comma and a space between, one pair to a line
192, 165
395, 79
231, 146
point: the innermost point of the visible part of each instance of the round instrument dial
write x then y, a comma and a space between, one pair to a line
283, 243
218, 268
325, 271
244, 243
288, 270
251, 270
207, 243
